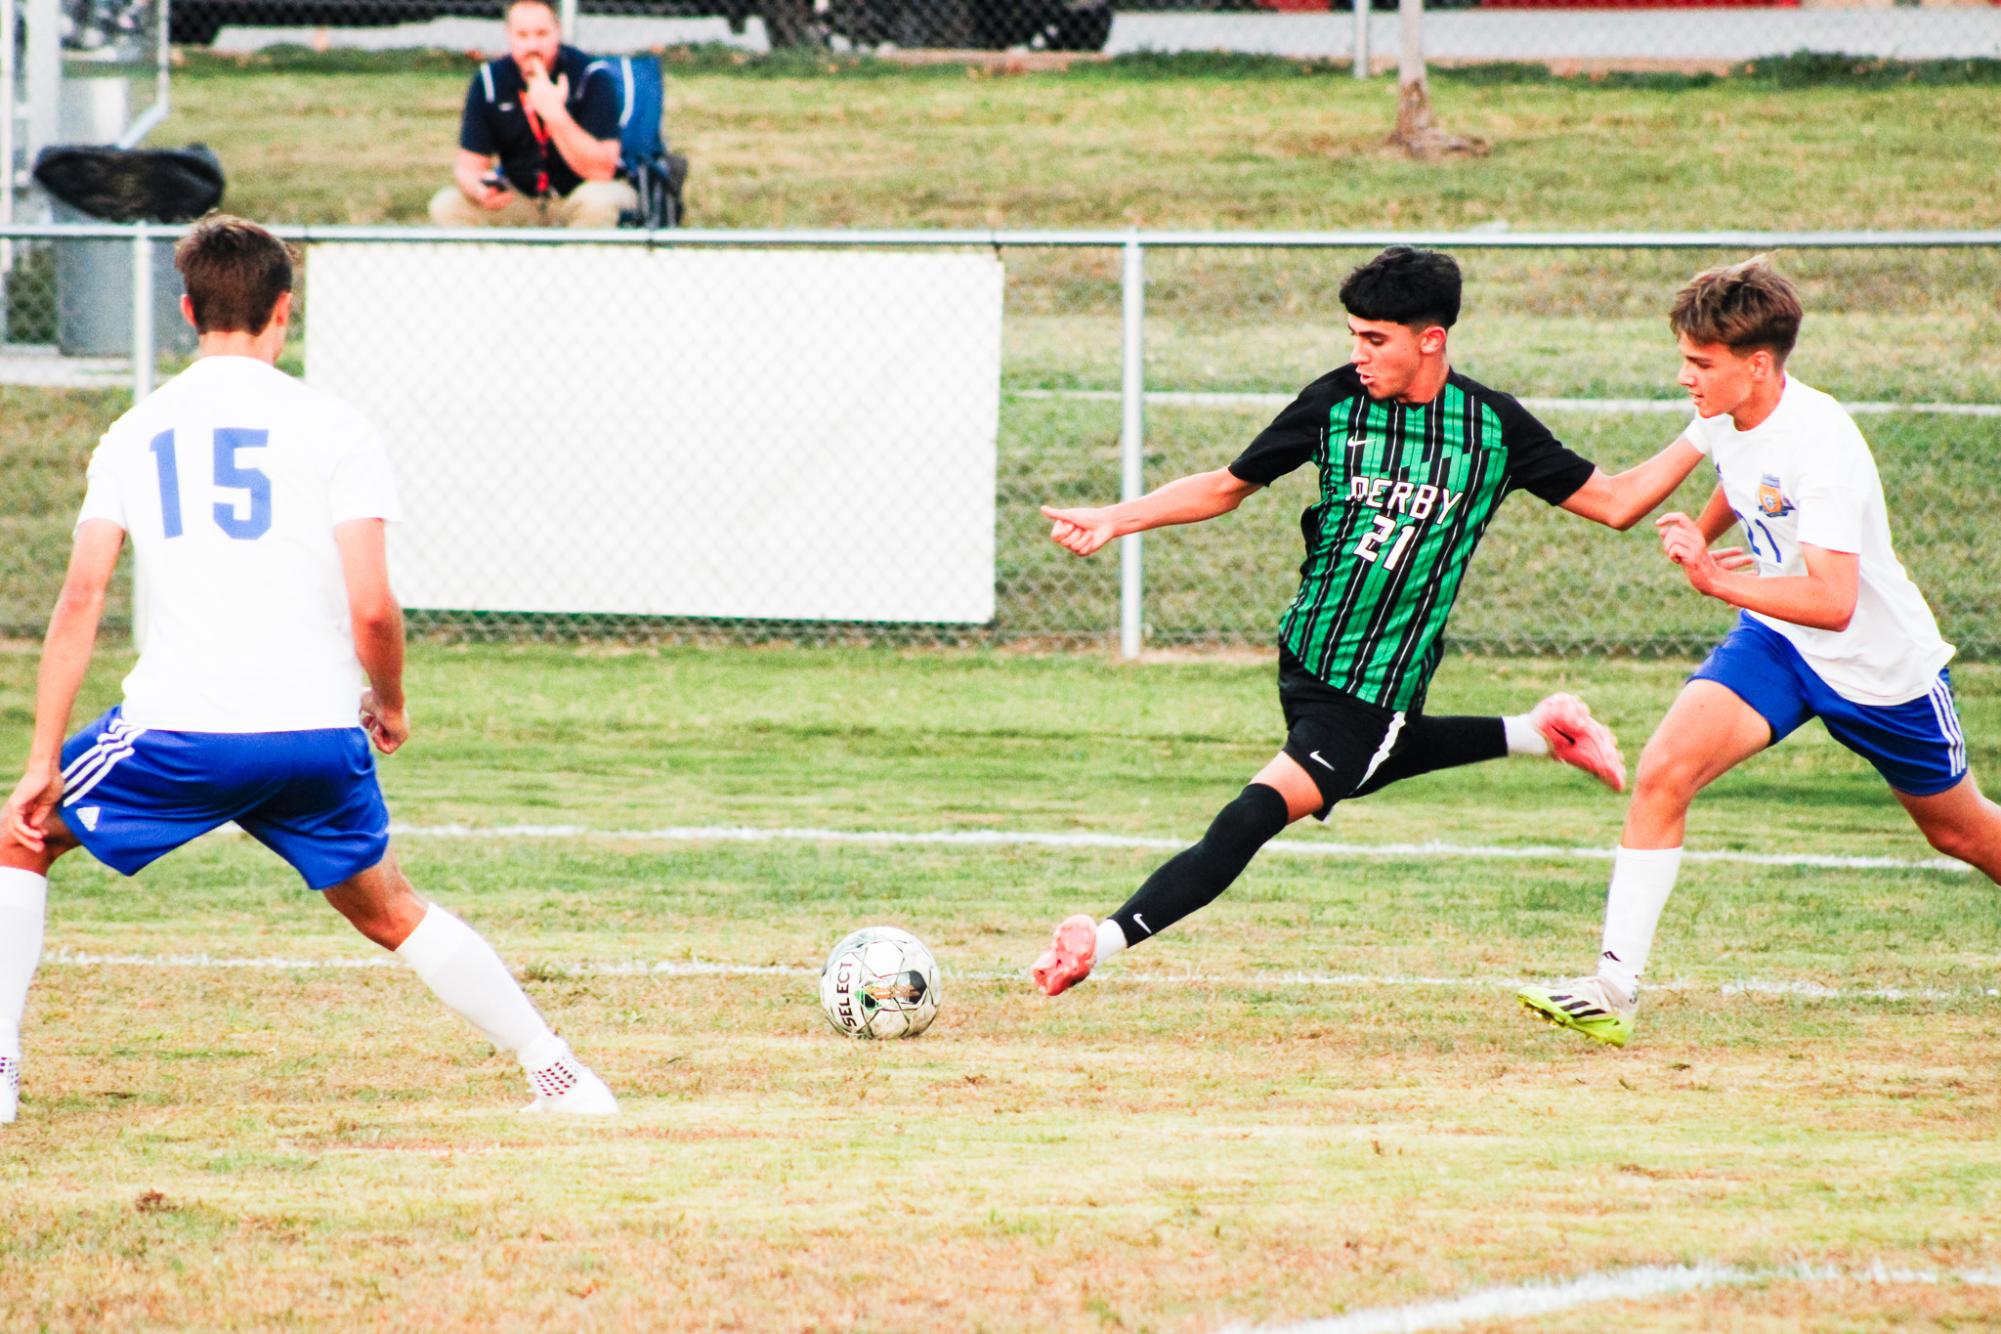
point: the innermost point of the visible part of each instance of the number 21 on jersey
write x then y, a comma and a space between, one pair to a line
247, 518
1370, 548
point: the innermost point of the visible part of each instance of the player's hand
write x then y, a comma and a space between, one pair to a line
26, 818
1079, 531
1680, 538
1682, 542
493, 198
543, 97
388, 728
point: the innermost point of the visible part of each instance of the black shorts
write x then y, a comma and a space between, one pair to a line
1338, 739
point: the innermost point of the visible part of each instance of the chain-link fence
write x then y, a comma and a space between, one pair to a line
71, 72
1621, 32
844, 437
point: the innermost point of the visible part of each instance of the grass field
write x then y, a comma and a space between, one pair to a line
1251, 1119
1196, 142
1316, 1097
1210, 143
1200, 142
1169, 142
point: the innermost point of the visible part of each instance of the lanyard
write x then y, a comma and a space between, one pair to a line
541, 133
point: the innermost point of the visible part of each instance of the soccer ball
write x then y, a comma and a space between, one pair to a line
880, 982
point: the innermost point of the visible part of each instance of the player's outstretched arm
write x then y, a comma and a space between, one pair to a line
65, 658
1823, 597
378, 629
1191, 499
1622, 500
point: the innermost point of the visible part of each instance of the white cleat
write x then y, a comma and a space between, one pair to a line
565, 1086
10, 1089
1588, 1005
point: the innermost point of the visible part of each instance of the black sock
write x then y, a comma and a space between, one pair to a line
1194, 877
1428, 743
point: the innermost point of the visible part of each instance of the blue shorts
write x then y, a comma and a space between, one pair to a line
1917, 745
132, 795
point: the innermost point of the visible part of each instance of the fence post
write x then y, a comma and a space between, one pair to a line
142, 312
1132, 437
1362, 8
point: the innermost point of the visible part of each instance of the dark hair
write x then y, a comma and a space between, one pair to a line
234, 272
1407, 286
1743, 306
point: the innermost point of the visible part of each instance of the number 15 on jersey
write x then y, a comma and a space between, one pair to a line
247, 518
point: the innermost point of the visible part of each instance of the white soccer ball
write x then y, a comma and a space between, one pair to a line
880, 982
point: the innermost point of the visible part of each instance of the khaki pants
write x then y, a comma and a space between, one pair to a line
592, 204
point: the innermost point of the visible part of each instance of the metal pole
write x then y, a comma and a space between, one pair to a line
45, 75
1132, 437
10, 152
142, 312
566, 20
1362, 38
151, 117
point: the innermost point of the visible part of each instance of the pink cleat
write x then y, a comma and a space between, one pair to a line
1578, 739
1069, 957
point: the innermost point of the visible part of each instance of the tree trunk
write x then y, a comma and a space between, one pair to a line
1415, 133
788, 23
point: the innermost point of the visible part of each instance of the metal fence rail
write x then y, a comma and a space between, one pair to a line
1127, 358
1611, 34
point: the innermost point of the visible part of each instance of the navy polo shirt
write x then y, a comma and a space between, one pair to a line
495, 123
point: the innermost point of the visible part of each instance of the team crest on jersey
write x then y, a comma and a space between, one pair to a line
1772, 503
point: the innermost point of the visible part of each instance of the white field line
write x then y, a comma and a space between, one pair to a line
1526, 1300
1006, 838
685, 968
64, 957
1228, 401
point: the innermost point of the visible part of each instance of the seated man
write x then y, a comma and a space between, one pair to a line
538, 144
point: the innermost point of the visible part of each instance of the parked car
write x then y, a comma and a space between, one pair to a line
1057, 25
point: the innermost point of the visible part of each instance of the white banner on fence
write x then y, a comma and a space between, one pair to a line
756, 434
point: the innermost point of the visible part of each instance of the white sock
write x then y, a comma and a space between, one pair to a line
1523, 739
24, 901
543, 1052
1642, 879
1111, 939
462, 970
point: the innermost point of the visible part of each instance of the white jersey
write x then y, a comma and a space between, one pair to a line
1804, 475
228, 480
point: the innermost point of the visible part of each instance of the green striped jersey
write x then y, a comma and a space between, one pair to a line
1406, 490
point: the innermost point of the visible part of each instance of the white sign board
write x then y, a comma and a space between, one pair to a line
758, 434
